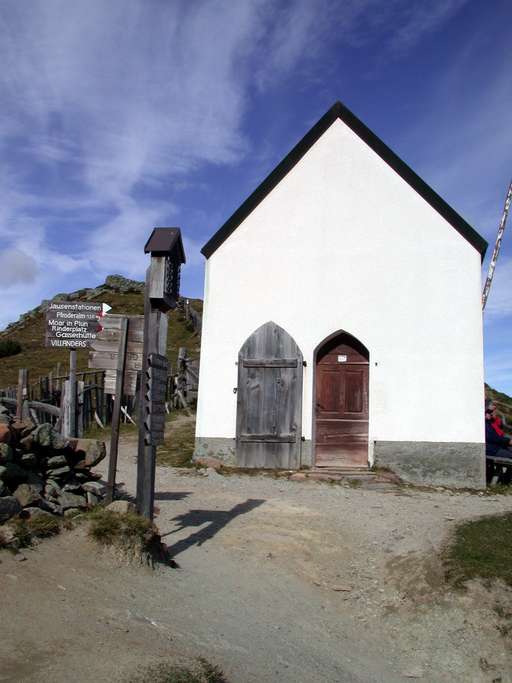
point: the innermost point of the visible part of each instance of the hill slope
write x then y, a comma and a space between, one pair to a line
125, 296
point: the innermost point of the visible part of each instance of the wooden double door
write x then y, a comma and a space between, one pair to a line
341, 403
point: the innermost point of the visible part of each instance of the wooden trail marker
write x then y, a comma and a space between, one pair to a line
160, 295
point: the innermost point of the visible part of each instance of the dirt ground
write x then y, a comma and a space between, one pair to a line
293, 581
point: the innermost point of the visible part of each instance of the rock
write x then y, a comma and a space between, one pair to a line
4, 419
61, 472
123, 284
121, 506
27, 442
4, 491
89, 452
208, 461
82, 476
94, 487
213, 474
29, 461
52, 489
59, 443
69, 500
36, 481
7, 535
415, 672
56, 461
43, 435
6, 453
52, 507
37, 512
9, 507
92, 499
340, 588
26, 495
298, 476
73, 486
72, 512
5, 433
13, 473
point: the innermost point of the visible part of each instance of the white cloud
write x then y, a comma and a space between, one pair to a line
16, 267
499, 303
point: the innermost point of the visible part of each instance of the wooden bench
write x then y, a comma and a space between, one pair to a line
499, 469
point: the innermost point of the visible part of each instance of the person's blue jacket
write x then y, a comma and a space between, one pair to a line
493, 441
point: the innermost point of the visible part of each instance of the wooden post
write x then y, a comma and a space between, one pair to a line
114, 437
80, 409
72, 393
160, 295
22, 392
146, 460
65, 409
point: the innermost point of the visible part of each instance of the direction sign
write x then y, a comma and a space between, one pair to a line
105, 351
72, 324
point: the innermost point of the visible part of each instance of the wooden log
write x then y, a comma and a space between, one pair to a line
80, 409
22, 391
72, 393
45, 408
114, 436
65, 409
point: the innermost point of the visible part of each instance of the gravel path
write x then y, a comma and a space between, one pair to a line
277, 581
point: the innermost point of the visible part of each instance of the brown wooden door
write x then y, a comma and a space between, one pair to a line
269, 405
341, 404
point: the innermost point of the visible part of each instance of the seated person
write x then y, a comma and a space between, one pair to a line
496, 445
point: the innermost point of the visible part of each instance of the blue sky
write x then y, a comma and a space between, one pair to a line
119, 115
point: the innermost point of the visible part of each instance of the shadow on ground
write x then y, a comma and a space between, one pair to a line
216, 519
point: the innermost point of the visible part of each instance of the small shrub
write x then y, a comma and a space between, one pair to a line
203, 672
9, 347
108, 527
43, 526
26, 530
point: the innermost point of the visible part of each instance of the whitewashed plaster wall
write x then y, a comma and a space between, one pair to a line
344, 243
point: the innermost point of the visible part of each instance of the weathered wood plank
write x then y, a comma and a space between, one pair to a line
269, 400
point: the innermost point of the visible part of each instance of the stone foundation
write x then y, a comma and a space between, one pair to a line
461, 465
222, 449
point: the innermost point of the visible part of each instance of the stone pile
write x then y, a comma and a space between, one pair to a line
41, 471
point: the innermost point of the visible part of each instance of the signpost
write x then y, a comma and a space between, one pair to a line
161, 294
117, 349
72, 325
105, 351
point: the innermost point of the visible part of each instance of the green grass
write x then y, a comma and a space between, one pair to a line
112, 528
481, 549
202, 672
178, 447
27, 530
40, 360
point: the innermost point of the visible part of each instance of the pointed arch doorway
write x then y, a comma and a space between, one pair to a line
269, 400
341, 402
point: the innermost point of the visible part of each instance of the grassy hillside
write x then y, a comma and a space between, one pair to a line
29, 332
